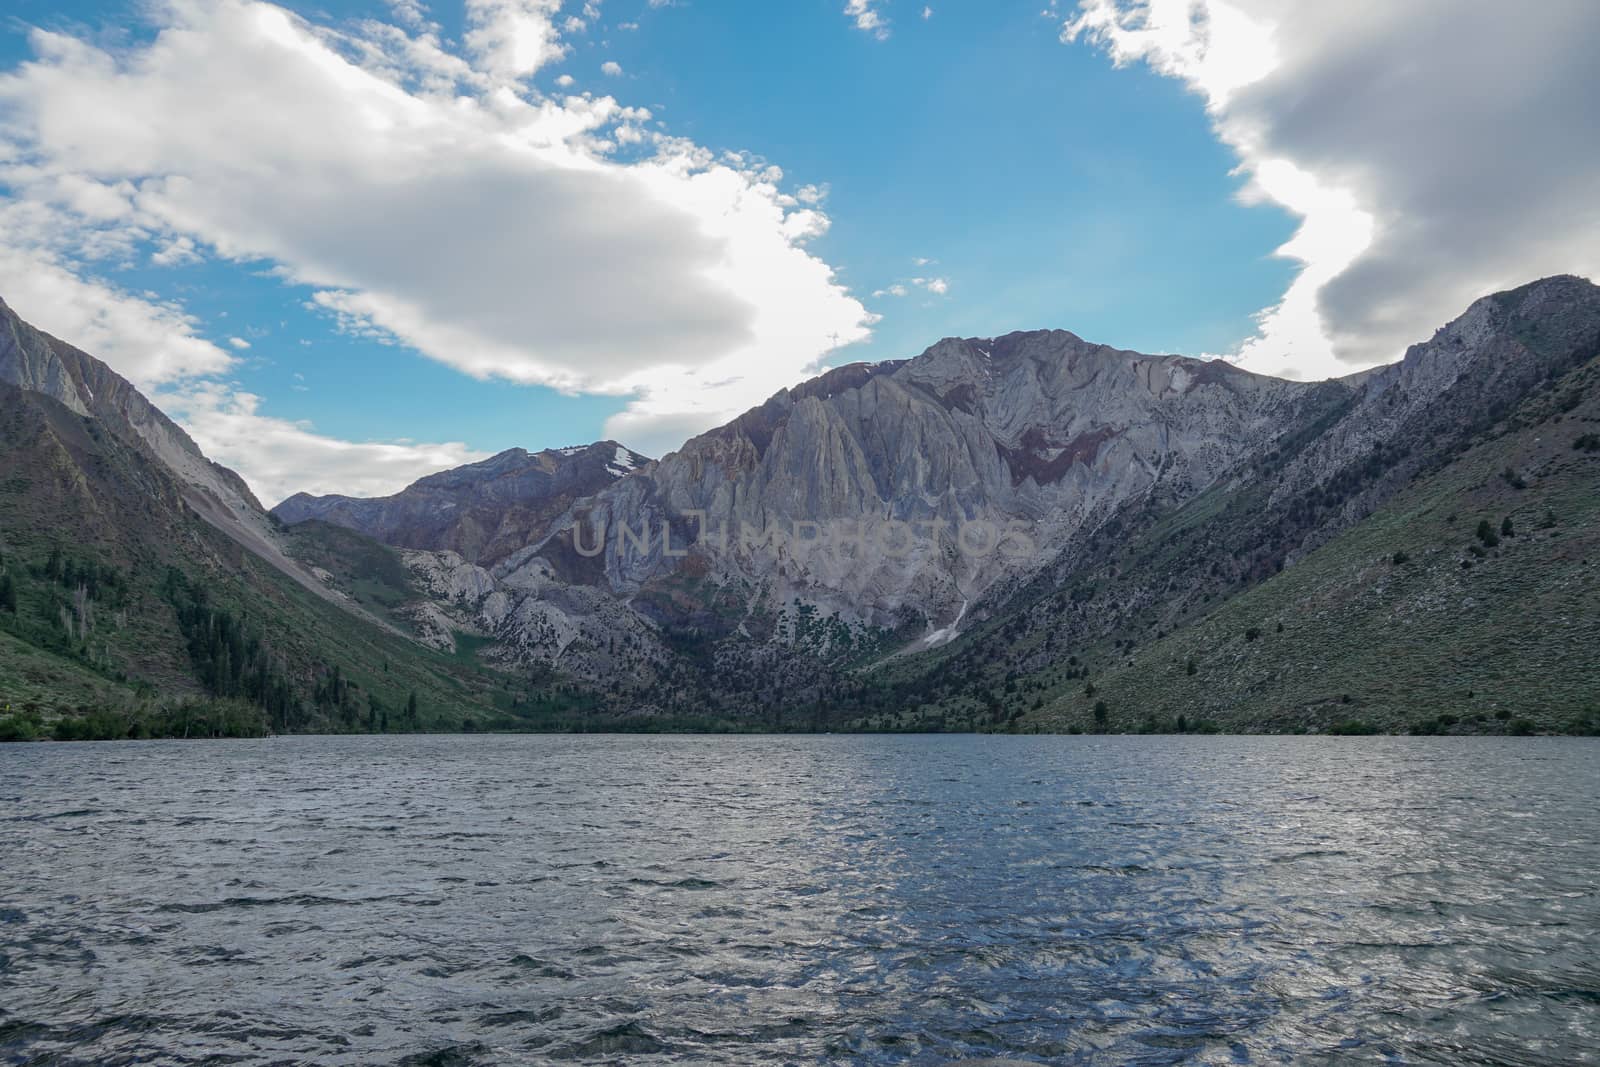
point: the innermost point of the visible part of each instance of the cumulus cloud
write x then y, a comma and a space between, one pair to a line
285, 457
150, 341
512, 39
675, 277
1434, 150
868, 18
936, 286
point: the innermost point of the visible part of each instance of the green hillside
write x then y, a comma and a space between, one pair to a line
1470, 602
123, 613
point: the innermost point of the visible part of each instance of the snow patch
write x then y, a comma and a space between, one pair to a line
944, 635
624, 461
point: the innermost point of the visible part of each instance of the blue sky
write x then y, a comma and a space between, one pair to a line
996, 175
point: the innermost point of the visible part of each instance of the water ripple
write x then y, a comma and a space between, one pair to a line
476, 900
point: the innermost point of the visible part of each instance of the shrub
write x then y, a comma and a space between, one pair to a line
17, 729
1193, 668
1585, 725
1589, 442
1486, 534
1252, 633
1352, 728
1400, 557
1521, 727
1507, 528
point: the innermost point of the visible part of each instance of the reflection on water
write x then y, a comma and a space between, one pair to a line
444, 900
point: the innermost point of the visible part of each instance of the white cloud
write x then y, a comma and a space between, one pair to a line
677, 278
512, 39
148, 341
867, 18
611, 69
936, 286
927, 13
156, 346
1434, 150
410, 12
284, 457
175, 251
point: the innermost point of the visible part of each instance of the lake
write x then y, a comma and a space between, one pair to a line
767, 900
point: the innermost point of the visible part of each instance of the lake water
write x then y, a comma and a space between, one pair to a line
881, 900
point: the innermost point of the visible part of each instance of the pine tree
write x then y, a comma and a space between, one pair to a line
8, 593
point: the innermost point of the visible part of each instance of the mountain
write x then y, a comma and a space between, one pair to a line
1143, 491
144, 591
37, 363
1338, 578
1467, 601
1039, 429
483, 511
1021, 532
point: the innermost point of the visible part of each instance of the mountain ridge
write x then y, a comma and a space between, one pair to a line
1148, 491
483, 511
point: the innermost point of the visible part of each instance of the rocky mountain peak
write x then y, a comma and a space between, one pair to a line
484, 510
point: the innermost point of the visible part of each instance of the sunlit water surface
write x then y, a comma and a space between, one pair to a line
444, 900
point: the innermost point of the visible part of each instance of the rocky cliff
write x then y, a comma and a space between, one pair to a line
484, 511
833, 524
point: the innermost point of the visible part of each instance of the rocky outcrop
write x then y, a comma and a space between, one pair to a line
904, 490
829, 522
483, 511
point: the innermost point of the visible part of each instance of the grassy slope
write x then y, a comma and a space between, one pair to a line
1395, 644
67, 484
369, 572
32, 675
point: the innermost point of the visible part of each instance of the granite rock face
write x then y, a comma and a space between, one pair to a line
852, 499
482, 511
896, 493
